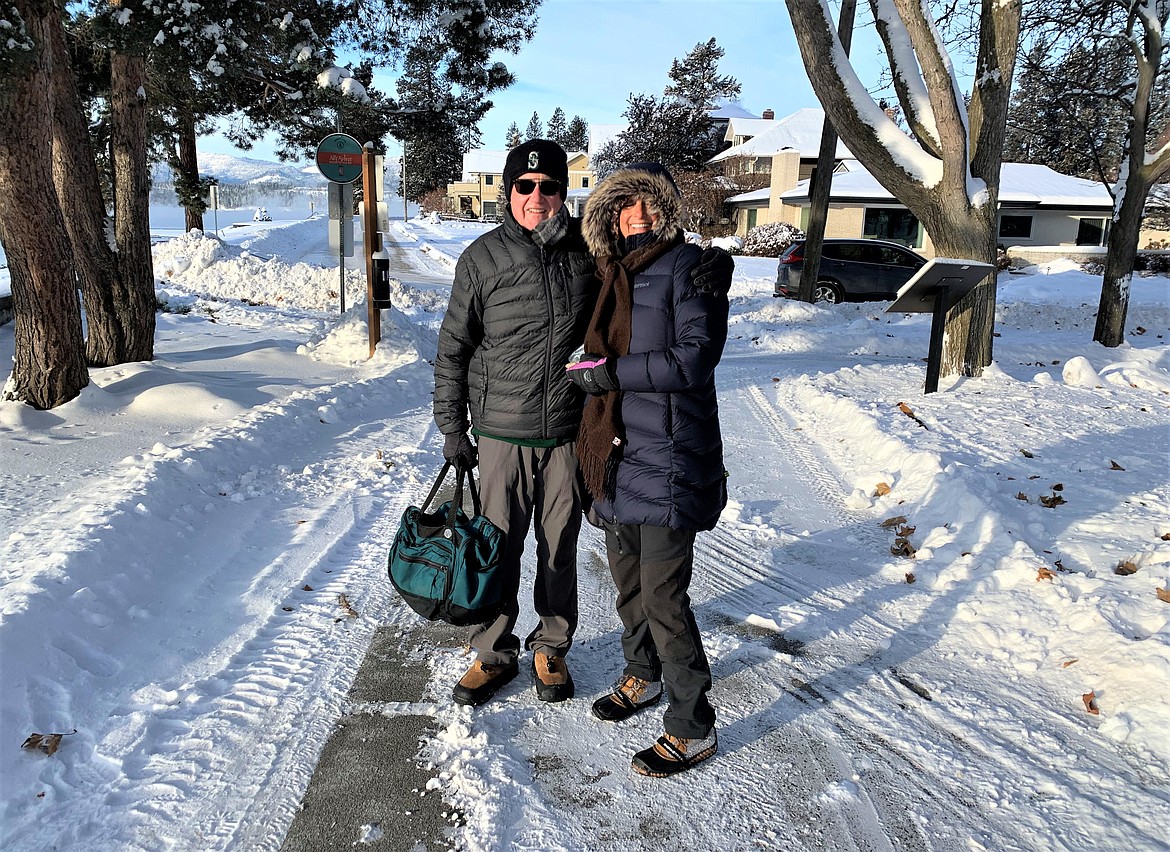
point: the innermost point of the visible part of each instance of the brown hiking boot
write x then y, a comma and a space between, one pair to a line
628, 697
553, 681
481, 682
672, 754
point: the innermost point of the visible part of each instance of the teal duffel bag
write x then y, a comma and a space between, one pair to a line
445, 564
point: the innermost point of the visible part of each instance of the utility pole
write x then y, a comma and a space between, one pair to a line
822, 179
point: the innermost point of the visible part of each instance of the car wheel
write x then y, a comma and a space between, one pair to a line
827, 291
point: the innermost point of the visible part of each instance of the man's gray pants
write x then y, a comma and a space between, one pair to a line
518, 486
652, 567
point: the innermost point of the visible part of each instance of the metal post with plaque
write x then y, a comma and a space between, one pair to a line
339, 159
936, 288
341, 227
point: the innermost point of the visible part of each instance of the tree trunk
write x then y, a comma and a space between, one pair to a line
1120, 259
132, 202
49, 366
189, 168
80, 196
967, 234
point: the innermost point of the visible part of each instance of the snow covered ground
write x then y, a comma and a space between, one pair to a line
935, 622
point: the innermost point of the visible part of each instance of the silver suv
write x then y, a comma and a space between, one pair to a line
851, 270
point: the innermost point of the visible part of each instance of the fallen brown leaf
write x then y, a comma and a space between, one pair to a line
1058, 487
881, 490
1165, 536
1043, 573
1126, 568
910, 578
1020, 495
48, 743
902, 547
1068, 663
1051, 502
306, 588
1163, 595
1026, 454
1114, 465
905, 531
901, 519
909, 412
343, 602
1090, 699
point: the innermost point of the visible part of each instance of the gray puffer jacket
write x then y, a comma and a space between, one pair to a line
517, 312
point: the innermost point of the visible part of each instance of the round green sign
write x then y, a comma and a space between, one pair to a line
339, 158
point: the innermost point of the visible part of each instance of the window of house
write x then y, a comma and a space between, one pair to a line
1015, 227
751, 217
1093, 232
899, 226
488, 180
584, 183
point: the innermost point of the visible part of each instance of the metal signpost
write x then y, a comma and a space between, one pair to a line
339, 159
936, 288
341, 227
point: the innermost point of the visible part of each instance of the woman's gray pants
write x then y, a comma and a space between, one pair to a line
652, 569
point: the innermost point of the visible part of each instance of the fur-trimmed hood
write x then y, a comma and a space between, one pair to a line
649, 181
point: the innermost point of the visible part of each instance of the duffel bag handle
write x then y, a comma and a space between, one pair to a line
460, 472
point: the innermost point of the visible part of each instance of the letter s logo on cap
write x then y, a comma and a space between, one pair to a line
533, 161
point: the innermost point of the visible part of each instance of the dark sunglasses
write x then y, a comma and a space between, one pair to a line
524, 186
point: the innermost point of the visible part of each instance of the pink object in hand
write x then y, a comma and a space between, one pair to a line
584, 365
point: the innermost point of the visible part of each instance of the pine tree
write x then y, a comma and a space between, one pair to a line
443, 128
696, 79
534, 130
556, 127
513, 136
576, 135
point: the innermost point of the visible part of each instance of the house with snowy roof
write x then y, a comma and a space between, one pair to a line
477, 193
1042, 212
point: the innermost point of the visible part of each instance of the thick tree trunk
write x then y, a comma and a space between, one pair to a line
49, 366
967, 233
132, 202
189, 166
79, 190
1120, 259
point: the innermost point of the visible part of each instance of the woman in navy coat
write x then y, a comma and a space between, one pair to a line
650, 449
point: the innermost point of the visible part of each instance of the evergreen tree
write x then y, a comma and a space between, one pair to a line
576, 135
677, 130
534, 130
556, 127
435, 137
513, 136
696, 80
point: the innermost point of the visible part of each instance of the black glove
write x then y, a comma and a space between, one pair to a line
457, 447
593, 374
713, 274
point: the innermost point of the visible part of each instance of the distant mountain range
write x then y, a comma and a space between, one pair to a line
229, 169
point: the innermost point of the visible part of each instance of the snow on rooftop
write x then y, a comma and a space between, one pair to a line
731, 109
1020, 183
483, 161
800, 131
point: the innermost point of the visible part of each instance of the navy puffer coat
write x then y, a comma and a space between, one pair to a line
671, 472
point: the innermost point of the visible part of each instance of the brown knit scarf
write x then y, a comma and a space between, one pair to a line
602, 435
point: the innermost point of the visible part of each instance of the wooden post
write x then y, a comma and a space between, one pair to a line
820, 186
372, 241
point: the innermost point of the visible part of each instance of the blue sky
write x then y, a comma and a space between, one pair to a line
588, 56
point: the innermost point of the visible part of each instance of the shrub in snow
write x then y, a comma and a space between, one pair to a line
771, 240
733, 244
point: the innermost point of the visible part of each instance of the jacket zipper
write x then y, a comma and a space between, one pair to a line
548, 342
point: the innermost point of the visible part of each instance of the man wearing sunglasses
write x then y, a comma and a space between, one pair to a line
522, 296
